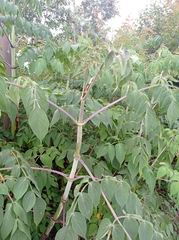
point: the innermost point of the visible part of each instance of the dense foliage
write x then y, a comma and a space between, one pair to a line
159, 23
93, 151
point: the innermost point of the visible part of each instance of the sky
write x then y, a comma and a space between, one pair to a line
128, 9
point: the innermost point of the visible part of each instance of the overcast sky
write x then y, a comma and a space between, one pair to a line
128, 9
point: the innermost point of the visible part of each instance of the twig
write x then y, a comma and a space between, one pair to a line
105, 198
89, 172
113, 103
52, 171
63, 111
158, 156
114, 215
53, 104
10, 65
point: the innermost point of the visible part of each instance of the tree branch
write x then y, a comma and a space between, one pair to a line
10, 65
113, 103
63, 111
6, 35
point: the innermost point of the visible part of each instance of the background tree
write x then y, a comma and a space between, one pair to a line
96, 13
63, 17
159, 23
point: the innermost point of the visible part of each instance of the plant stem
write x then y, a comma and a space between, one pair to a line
72, 173
13, 73
113, 103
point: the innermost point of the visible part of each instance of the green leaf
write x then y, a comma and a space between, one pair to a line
28, 201
3, 189
34, 97
85, 205
150, 179
66, 233
124, 59
11, 110
94, 190
174, 188
109, 59
48, 52
111, 152
20, 187
66, 47
46, 160
24, 228
39, 210
16, 170
39, 123
133, 169
40, 66
150, 121
162, 171
14, 227
102, 151
79, 224
173, 112
96, 120
3, 103
69, 97
108, 187
145, 229
56, 117
137, 101
131, 226
18, 235
122, 191
14, 95
104, 227
120, 152
92, 230
57, 66
117, 232
78, 186
131, 203
157, 236
3, 86
98, 170
8, 221
20, 212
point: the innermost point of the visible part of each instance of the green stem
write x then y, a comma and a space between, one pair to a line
13, 73
13, 52
72, 173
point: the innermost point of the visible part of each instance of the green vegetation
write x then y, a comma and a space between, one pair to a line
89, 131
